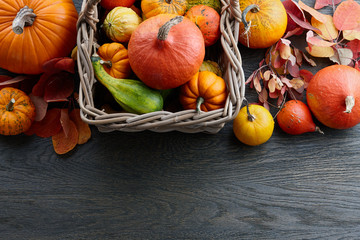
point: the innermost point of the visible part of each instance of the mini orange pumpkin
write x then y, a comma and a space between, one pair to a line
17, 112
115, 59
205, 91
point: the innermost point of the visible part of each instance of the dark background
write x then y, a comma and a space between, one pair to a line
183, 186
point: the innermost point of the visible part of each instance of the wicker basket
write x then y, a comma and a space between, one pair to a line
189, 121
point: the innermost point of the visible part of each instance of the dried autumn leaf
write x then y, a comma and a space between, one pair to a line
328, 29
317, 51
256, 81
297, 83
272, 85
48, 126
323, 3
352, 34
284, 49
65, 143
56, 65
296, 18
342, 56
347, 15
40, 106
354, 45
316, 14
82, 127
306, 75
302, 24
317, 41
293, 69
59, 87
64, 121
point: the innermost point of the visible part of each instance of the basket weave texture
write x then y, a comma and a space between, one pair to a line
188, 121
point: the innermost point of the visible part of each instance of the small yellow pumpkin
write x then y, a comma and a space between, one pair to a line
253, 125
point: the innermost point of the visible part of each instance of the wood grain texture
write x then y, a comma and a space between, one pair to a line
183, 186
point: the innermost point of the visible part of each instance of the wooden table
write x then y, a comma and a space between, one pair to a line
183, 186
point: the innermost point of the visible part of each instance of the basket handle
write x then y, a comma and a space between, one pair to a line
87, 13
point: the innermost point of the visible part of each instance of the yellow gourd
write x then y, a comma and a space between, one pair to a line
253, 125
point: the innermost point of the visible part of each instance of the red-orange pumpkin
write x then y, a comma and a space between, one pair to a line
43, 29
165, 51
333, 96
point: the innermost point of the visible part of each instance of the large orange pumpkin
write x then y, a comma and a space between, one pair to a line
165, 51
333, 96
17, 112
263, 22
35, 31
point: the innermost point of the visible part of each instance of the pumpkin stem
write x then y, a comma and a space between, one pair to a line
25, 17
199, 101
250, 117
165, 29
317, 129
10, 105
106, 63
349, 103
254, 9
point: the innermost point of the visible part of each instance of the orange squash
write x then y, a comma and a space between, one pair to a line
333, 96
263, 22
205, 91
152, 8
115, 59
208, 21
165, 51
17, 112
33, 32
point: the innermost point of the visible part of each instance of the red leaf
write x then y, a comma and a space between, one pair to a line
56, 65
64, 143
306, 75
40, 106
295, 14
65, 121
303, 24
347, 15
323, 3
354, 45
59, 87
48, 126
39, 87
9, 81
316, 14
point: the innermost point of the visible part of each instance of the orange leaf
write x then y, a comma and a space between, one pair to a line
62, 143
347, 15
317, 15
64, 120
82, 127
317, 41
323, 3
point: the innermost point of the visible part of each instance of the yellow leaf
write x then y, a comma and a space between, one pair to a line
285, 51
352, 34
328, 29
317, 51
297, 83
272, 85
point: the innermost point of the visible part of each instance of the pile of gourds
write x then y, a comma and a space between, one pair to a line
150, 47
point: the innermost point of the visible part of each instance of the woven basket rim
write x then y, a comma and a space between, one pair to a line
188, 121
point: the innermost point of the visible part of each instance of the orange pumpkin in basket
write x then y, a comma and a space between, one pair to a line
151, 8
33, 32
115, 59
205, 91
208, 21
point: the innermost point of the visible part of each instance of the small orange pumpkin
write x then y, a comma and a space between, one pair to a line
208, 21
17, 112
152, 8
205, 91
115, 59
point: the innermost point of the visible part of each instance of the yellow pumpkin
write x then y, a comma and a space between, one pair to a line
253, 125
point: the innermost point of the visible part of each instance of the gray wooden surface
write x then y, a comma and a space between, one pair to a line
183, 186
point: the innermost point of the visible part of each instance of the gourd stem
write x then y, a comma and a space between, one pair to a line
25, 17
165, 29
10, 105
106, 63
253, 8
199, 101
349, 103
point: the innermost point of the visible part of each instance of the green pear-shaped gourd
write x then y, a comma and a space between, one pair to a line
132, 95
